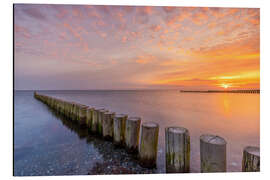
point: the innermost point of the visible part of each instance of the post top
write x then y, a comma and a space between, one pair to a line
84, 106
120, 115
103, 110
134, 119
253, 150
150, 124
177, 130
213, 139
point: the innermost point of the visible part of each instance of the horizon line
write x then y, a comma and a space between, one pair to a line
179, 89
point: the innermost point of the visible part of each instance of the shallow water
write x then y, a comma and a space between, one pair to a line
45, 145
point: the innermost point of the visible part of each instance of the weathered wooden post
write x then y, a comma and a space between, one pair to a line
53, 103
57, 105
94, 121
61, 108
77, 112
149, 144
177, 142
65, 108
107, 126
50, 102
82, 114
119, 125
89, 112
132, 133
251, 159
213, 153
100, 116
73, 111
69, 110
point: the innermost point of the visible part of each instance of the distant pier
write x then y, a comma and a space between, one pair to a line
253, 91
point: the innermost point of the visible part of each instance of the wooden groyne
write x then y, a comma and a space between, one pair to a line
125, 132
253, 91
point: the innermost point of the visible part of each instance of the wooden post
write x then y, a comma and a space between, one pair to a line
94, 121
70, 110
65, 104
78, 112
89, 112
119, 125
132, 132
251, 159
149, 144
53, 103
100, 116
73, 112
107, 126
82, 114
57, 105
212, 153
177, 142
61, 109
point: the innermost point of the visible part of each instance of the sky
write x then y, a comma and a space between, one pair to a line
67, 47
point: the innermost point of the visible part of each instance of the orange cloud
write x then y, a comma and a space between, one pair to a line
22, 30
173, 20
63, 35
199, 18
147, 10
212, 24
155, 28
145, 59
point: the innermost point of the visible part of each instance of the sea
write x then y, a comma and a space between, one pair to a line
45, 144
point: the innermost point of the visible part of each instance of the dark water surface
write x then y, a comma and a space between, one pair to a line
45, 144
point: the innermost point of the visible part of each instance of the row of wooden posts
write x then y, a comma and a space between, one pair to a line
124, 131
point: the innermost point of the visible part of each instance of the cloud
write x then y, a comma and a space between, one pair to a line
155, 28
142, 14
187, 39
104, 35
103, 9
146, 10
20, 30
212, 25
124, 39
61, 11
173, 19
34, 13
77, 12
76, 32
199, 18
63, 35
145, 59
169, 9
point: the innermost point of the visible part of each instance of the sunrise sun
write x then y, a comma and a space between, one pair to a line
225, 85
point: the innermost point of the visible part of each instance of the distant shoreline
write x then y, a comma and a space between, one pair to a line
255, 91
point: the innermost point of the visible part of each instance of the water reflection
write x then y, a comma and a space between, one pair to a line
115, 160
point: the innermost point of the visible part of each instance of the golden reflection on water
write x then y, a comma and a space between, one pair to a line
233, 116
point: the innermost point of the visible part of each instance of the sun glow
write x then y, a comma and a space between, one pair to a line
225, 86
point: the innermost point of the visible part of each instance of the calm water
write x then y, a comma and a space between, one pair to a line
43, 145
